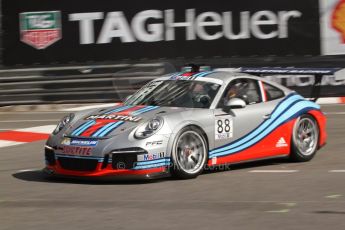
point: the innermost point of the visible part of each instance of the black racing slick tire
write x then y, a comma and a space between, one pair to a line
305, 139
189, 153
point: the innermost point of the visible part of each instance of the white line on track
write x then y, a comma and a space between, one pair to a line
335, 113
13, 121
273, 171
9, 143
337, 171
279, 211
27, 170
38, 112
334, 196
39, 129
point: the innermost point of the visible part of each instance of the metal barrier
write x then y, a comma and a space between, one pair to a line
77, 84
112, 83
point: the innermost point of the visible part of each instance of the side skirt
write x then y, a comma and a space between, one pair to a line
282, 156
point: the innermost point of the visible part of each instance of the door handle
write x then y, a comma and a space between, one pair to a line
267, 116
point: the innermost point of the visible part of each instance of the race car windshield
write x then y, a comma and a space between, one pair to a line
188, 94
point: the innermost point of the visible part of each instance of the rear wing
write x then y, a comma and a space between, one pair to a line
339, 74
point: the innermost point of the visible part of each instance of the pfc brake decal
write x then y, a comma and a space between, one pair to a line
40, 29
224, 128
291, 107
153, 143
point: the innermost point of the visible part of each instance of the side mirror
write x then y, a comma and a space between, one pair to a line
235, 103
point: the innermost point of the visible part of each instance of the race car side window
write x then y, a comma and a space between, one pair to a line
243, 88
272, 92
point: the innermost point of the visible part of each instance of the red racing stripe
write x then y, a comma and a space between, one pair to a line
264, 148
108, 171
99, 124
188, 74
22, 136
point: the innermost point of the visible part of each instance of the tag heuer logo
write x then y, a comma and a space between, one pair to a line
40, 29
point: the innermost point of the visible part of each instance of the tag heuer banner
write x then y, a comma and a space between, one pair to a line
64, 31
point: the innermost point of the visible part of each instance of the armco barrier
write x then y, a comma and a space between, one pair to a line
112, 83
77, 84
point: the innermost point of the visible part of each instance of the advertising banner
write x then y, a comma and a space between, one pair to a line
60, 32
332, 14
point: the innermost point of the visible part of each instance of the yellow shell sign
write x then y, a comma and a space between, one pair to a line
338, 19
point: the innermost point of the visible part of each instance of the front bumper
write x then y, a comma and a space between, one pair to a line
111, 166
107, 177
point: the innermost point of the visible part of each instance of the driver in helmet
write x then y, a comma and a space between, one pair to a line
238, 90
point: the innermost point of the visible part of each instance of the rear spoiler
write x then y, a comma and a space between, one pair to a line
339, 74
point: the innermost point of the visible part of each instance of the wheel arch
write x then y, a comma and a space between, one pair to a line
185, 124
320, 119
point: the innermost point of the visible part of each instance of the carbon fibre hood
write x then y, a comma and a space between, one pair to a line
105, 123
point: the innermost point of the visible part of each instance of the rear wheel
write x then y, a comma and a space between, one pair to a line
305, 139
189, 153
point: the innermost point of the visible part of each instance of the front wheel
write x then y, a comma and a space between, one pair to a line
305, 139
189, 153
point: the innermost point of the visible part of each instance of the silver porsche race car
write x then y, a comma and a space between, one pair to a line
181, 123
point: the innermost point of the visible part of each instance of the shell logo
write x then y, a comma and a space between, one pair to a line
338, 19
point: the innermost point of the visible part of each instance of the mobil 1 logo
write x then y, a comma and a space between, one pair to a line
223, 128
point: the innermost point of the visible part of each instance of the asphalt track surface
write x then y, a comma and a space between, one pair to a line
273, 194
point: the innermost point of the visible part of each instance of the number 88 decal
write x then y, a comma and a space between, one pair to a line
223, 126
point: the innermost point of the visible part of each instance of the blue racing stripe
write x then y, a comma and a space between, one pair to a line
111, 128
173, 76
122, 108
294, 111
282, 106
134, 113
82, 128
157, 165
103, 129
144, 110
279, 107
153, 161
202, 74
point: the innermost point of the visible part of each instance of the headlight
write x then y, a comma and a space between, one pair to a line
64, 121
149, 128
